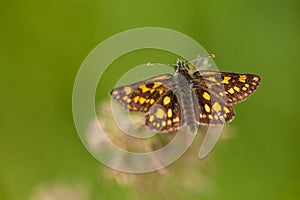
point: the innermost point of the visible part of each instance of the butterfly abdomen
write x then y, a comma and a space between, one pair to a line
187, 99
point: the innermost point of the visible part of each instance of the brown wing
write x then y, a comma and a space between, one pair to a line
235, 87
213, 109
165, 114
140, 96
217, 91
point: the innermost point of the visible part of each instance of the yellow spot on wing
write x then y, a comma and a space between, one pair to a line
216, 117
151, 118
247, 85
163, 123
127, 90
167, 100
243, 78
226, 110
207, 108
231, 91
217, 107
226, 79
244, 88
144, 88
115, 92
125, 98
136, 99
169, 112
169, 122
255, 78
156, 84
152, 101
160, 113
211, 78
206, 96
236, 88
176, 119
142, 100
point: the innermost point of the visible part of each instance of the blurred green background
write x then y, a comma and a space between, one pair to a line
42, 44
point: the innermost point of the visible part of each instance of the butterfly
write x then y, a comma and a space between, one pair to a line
188, 97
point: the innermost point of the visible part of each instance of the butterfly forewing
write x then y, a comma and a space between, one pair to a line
233, 86
140, 96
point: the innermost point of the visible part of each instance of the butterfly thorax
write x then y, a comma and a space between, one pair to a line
185, 95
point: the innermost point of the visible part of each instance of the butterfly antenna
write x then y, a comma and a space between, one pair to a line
211, 55
156, 63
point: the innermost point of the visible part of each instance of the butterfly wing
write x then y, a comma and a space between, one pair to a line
154, 97
217, 91
213, 109
140, 96
165, 114
233, 86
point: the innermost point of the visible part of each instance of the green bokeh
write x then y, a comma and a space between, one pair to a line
42, 45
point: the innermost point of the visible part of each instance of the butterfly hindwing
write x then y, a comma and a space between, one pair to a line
213, 109
165, 114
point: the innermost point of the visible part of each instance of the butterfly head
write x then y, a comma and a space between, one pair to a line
183, 65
